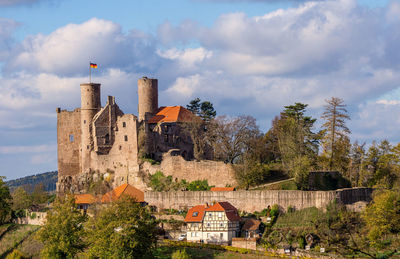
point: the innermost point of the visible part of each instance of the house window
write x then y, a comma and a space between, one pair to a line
107, 139
126, 138
193, 234
208, 225
208, 235
221, 235
221, 224
210, 215
71, 138
219, 214
195, 214
197, 234
124, 124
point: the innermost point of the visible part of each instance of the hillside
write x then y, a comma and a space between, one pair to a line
48, 179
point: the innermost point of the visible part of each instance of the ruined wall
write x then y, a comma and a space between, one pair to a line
217, 173
251, 201
121, 161
69, 142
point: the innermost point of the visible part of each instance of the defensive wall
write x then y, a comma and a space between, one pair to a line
258, 200
217, 173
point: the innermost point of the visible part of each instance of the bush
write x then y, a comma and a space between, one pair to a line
16, 254
199, 185
180, 254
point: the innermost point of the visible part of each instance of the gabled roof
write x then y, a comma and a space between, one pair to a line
222, 189
124, 189
84, 199
172, 114
195, 214
230, 211
251, 224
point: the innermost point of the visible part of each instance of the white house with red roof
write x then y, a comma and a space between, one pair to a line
217, 223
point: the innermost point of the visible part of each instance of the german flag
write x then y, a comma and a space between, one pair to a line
93, 65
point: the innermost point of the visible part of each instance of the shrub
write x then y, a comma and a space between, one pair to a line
180, 254
16, 254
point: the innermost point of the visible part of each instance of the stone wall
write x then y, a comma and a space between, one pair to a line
69, 142
247, 243
251, 201
217, 173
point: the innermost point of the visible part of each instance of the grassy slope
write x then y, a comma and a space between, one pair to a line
298, 219
15, 236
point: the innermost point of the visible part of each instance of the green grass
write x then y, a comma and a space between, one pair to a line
285, 185
300, 218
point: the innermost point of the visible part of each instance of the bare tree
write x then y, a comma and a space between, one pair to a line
335, 116
233, 137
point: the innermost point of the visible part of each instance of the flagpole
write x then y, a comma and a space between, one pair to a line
90, 73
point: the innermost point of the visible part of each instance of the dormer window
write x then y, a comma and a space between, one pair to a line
195, 214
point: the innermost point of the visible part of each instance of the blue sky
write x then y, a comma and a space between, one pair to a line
246, 56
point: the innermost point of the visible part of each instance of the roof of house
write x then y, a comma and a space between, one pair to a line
251, 224
195, 214
222, 189
172, 114
84, 199
124, 189
230, 211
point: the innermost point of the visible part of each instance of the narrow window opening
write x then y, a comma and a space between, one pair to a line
87, 146
71, 138
107, 139
120, 147
126, 138
84, 121
124, 124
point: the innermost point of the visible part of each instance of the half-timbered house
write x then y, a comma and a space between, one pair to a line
217, 223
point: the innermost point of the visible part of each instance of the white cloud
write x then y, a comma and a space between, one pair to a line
68, 50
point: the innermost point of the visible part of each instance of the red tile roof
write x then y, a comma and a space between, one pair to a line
124, 189
222, 189
172, 114
230, 211
84, 199
195, 214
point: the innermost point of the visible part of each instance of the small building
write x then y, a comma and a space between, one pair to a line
251, 228
83, 201
122, 190
222, 189
217, 224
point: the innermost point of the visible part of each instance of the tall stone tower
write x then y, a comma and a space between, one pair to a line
90, 105
148, 97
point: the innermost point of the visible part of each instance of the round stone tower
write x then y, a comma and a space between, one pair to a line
90, 105
148, 97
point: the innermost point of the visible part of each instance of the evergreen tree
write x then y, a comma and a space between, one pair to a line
298, 144
336, 141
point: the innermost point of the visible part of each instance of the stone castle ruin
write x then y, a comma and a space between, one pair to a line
102, 143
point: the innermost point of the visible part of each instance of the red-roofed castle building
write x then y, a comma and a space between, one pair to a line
218, 223
99, 142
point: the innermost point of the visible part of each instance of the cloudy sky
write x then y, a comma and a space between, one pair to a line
246, 56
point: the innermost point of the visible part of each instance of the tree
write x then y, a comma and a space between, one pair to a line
357, 156
205, 110
198, 128
124, 229
298, 144
5, 201
21, 201
232, 137
39, 195
335, 142
63, 231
